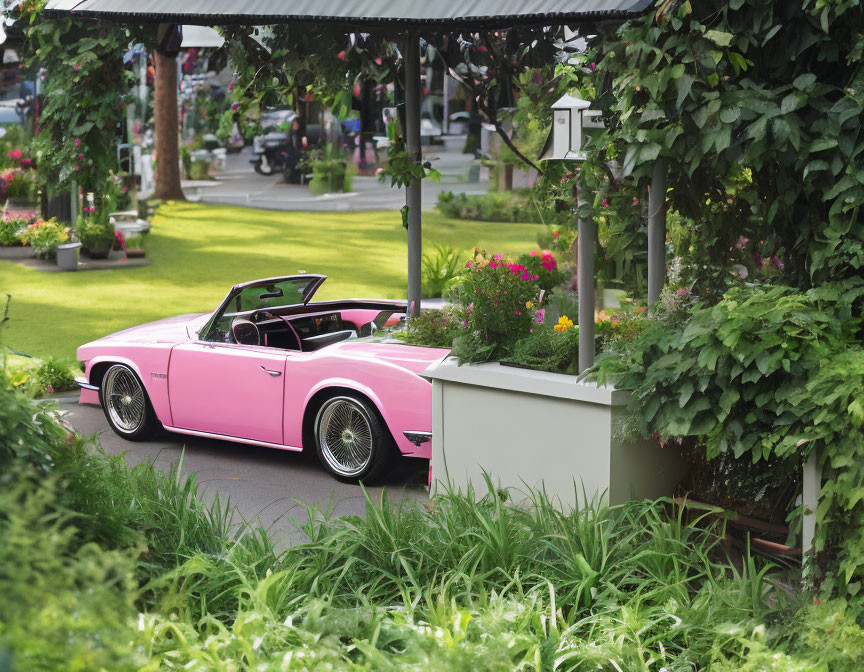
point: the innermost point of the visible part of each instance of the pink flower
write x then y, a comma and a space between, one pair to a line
592, 66
49, 389
470, 307
80, 156
77, 168
534, 253
493, 264
464, 323
517, 312
341, 55
378, 61
682, 291
15, 154
549, 263
235, 106
605, 203
469, 264
535, 277
26, 162
77, 142
778, 263
76, 67
635, 201
526, 276
231, 85
498, 257
539, 316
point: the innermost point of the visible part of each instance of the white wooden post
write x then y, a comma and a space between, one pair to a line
811, 486
587, 232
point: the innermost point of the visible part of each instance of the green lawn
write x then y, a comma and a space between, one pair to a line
198, 251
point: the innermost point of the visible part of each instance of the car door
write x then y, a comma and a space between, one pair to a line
229, 389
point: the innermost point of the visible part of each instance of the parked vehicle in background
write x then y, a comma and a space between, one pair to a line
270, 368
280, 146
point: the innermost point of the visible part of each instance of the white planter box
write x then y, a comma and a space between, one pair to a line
537, 429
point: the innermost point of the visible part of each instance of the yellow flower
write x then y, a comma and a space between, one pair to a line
564, 323
529, 305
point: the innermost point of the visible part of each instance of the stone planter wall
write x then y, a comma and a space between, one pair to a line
538, 429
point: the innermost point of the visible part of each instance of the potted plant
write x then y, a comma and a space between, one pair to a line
95, 230
44, 237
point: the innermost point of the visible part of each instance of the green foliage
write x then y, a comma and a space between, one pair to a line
769, 372
44, 236
500, 298
496, 206
103, 566
85, 86
439, 269
96, 233
755, 106
433, 328
12, 222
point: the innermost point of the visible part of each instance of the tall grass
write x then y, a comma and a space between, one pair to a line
104, 567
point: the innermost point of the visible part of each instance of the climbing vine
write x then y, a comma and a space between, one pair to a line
85, 86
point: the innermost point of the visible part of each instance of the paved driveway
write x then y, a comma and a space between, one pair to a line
260, 482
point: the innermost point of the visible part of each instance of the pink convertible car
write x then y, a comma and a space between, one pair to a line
269, 368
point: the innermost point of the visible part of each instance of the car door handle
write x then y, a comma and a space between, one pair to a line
271, 371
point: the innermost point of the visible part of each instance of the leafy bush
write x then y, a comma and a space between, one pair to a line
17, 183
768, 373
434, 328
501, 302
44, 236
107, 567
11, 223
496, 206
439, 269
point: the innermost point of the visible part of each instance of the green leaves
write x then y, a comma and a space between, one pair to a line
719, 37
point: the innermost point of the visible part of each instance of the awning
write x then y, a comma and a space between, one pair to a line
359, 13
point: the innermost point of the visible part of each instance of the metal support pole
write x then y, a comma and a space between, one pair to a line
657, 232
811, 487
587, 232
412, 146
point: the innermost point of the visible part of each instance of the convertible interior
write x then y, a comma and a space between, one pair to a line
309, 327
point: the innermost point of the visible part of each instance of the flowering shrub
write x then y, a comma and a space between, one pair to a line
502, 301
543, 265
44, 236
11, 224
16, 183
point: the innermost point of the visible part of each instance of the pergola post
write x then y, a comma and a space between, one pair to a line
657, 232
412, 146
586, 233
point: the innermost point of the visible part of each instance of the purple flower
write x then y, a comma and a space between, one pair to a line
464, 323
235, 107
539, 316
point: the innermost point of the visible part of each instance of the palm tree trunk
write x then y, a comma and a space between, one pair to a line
167, 131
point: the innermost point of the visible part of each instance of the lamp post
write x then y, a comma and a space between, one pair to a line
573, 124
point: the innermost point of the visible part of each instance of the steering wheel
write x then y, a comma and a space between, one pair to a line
245, 332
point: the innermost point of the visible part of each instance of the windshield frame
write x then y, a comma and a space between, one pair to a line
314, 282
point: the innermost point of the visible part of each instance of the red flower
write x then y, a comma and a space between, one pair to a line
341, 55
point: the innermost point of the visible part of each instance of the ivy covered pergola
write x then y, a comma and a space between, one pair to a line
402, 20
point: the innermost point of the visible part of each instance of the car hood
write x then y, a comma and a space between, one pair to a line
168, 330
411, 357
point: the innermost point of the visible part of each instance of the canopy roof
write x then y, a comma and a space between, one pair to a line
359, 13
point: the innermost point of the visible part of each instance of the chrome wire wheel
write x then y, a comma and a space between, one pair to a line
125, 401
345, 436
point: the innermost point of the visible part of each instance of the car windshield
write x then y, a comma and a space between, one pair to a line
262, 295
270, 295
